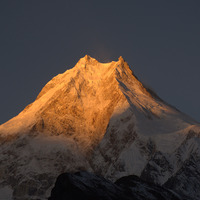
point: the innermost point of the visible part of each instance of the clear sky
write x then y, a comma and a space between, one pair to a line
160, 39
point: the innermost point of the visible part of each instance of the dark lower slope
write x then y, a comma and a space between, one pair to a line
87, 186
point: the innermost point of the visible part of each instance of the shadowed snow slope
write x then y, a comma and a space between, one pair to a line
98, 117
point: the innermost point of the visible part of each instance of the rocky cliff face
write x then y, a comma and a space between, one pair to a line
98, 117
87, 186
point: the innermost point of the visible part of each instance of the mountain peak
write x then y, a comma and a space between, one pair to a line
87, 60
87, 57
121, 59
89, 81
93, 63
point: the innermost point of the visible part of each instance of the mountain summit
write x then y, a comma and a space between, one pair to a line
98, 117
91, 91
80, 102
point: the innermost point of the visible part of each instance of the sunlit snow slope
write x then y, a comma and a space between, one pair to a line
98, 117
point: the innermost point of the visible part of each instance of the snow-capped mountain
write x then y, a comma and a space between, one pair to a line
98, 117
